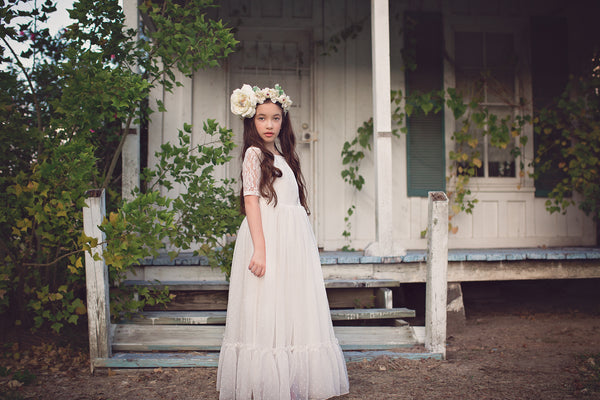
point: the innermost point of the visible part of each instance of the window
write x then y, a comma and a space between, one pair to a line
485, 71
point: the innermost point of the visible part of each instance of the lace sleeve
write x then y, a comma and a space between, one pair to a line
251, 172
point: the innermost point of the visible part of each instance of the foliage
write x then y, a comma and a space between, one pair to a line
64, 103
204, 212
571, 130
465, 159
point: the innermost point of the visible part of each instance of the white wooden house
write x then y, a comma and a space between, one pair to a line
531, 45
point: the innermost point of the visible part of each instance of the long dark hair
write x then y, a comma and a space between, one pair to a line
269, 172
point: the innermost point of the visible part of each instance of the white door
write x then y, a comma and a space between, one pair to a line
268, 57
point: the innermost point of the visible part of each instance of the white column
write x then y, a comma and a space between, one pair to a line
436, 287
96, 279
382, 129
130, 155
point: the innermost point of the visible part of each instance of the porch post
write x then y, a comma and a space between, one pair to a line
130, 154
382, 128
436, 287
96, 279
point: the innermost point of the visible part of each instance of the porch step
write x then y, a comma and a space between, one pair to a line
218, 317
224, 285
211, 359
130, 337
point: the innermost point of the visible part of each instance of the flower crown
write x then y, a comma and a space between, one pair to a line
245, 100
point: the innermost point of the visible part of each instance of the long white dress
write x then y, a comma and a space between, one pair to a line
279, 341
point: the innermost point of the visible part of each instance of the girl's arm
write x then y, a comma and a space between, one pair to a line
258, 261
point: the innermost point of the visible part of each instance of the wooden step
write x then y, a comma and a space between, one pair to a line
130, 337
224, 285
211, 359
218, 317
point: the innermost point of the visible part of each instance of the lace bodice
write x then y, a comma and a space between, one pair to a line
251, 171
285, 186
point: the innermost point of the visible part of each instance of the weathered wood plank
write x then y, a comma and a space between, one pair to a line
224, 285
219, 317
358, 356
211, 359
209, 337
179, 318
156, 360
361, 283
96, 278
181, 285
372, 313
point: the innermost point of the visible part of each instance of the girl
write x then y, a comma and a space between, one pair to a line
279, 341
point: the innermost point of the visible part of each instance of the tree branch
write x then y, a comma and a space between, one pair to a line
29, 82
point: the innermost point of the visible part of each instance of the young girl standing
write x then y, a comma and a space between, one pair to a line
279, 341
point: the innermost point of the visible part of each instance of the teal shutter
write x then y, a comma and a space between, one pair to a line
425, 140
550, 71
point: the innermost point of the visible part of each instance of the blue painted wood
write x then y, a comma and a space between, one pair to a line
495, 257
593, 254
370, 260
358, 356
555, 255
477, 256
392, 259
328, 260
415, 256
349, 259
516, 256
457, 255
535, 254
211, 359
156, 360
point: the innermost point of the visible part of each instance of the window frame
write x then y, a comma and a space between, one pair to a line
522, 89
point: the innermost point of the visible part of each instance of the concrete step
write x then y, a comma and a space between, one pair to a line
218, 317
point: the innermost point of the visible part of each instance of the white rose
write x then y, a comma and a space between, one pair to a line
286, 103
243, 102
261, 96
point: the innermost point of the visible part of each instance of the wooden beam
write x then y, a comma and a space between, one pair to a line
382, 128
437, 269
96, 279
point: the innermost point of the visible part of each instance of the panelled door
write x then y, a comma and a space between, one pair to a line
263, 59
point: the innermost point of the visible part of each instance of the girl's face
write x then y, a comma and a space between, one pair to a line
268, 121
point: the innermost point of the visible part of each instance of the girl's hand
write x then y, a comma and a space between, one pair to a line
258, 264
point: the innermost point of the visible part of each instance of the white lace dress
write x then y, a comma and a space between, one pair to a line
279, 341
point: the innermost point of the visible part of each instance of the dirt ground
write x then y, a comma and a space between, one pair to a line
521, 341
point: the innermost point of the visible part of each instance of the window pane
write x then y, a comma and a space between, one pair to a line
468, 50
500, 60
501, 162
501, 87
469, 84
474, 152
500, 52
